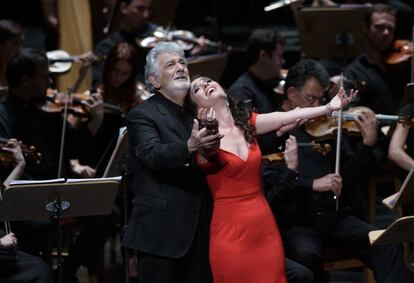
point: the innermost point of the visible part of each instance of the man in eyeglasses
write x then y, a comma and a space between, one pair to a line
310, 219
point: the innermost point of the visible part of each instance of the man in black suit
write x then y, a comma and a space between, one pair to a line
169, 223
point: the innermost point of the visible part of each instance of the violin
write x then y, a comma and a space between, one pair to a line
186, 39
61, 61
29, 153
54, 102
402, 51
326, 127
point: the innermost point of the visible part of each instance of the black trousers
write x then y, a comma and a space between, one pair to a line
297, 273
304, 245
194, 267
21, 267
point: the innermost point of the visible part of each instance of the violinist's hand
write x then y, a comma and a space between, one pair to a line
291, 153
201, 141
81, 170
13, 147
341, 99
8, 241
96, 109
330, 182
369, 127
86, 59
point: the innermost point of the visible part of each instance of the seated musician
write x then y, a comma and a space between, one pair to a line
135, 23
21, 118
120, 92
310, 221
17, 266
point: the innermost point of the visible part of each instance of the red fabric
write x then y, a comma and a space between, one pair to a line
245, 245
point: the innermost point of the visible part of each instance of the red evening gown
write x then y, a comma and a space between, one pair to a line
245, 244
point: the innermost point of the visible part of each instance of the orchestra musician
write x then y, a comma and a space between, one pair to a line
20, 118
310, 220
135, 16
15, 265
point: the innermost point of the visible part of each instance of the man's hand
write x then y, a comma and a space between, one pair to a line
201, 141
330, 182
8, 241
369, 127
291, 153
81, 170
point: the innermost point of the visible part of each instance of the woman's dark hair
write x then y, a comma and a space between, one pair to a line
125, 95
239, 111
9, 29
242, 119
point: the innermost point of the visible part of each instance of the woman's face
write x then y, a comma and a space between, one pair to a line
205, 92
120, 74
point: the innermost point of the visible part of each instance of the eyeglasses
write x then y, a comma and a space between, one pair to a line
311, 99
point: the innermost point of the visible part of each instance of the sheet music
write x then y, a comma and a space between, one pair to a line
403, 195
85, 180
31, 182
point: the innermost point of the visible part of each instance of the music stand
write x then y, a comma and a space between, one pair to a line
402, 230
58, 199
211, 66
404, 195
332, 32
118, 165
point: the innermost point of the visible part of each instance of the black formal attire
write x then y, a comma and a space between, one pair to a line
316, 224
26, 123
105, 46
169, 222
382, 90
260, 96
19, 267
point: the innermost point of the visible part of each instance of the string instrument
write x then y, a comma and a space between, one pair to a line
7, 158
54, 102
279, 157
61, 61
401, 53
186, 39
326, 127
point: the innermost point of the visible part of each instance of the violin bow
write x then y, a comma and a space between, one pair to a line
338, 141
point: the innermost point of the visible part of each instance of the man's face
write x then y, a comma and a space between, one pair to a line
37, 85
173, 76
311, 94
136, 14
275, 62
381, 30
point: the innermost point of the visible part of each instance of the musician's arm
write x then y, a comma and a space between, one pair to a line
396, 152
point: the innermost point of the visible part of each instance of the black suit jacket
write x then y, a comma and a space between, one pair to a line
168, 186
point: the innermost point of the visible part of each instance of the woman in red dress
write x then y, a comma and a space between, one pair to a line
245, 245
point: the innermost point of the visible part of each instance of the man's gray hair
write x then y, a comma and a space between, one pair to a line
151, 66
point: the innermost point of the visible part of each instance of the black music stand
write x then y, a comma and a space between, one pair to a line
56, 199
118, 165
211, 66
332, 32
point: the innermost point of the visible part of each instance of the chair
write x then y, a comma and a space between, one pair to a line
339, 259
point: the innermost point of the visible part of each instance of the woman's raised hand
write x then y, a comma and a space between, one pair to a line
341, 100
